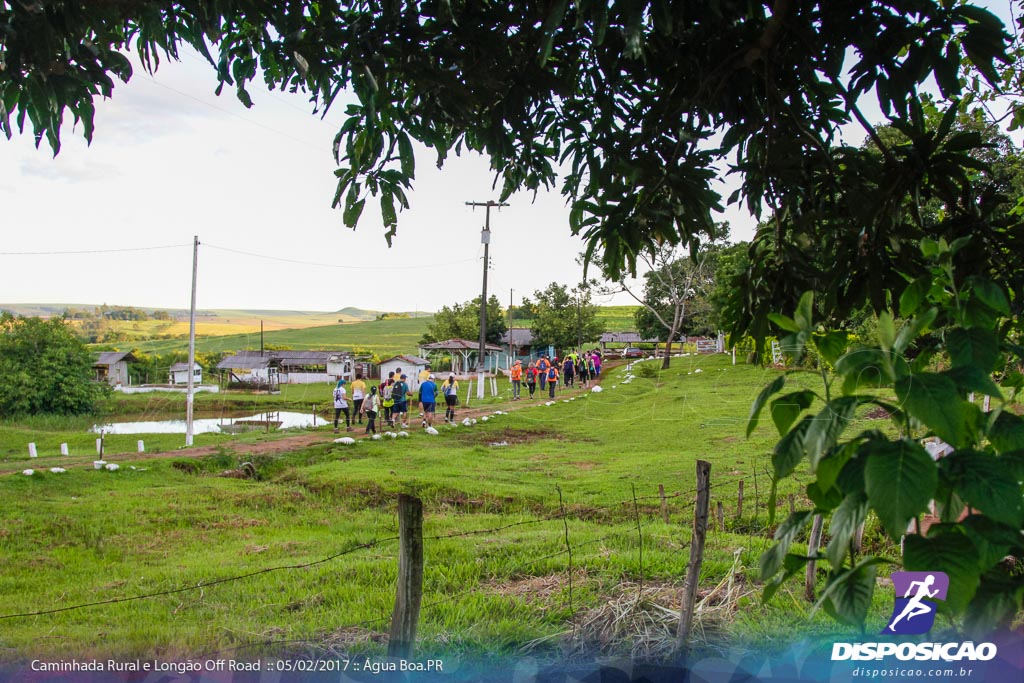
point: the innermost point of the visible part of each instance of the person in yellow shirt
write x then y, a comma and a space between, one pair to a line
358, 395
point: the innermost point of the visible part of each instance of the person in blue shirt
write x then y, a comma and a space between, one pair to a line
428, 400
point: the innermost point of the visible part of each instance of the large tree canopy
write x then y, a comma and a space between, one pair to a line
644, 103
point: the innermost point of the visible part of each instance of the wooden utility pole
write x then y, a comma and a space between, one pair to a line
406, 615
485, 239
190, 391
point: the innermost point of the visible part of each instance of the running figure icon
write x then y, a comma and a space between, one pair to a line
914, 612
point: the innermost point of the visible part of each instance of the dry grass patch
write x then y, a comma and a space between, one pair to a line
641, 621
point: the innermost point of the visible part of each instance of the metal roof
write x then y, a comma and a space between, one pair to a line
112, 357
521, 336
411, 360
249, 360
459, 345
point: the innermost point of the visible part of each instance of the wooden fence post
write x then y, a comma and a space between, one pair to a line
700, 525
812, 549
721, 516
792, 504
739, 502
664, 503
406, 614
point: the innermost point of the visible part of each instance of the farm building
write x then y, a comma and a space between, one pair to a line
288, 367
251, 367
112, 367
460, 351
410, 366
617, 339
522, 347
179, 374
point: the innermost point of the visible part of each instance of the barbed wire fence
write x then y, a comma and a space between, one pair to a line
640, 513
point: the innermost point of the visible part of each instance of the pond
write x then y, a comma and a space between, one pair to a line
225, 425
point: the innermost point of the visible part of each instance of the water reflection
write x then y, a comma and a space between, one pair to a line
258, 421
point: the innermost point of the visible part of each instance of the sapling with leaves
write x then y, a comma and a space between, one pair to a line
952, 337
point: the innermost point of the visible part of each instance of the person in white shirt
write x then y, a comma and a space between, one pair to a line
341, 406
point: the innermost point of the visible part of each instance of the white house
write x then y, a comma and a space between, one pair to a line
179, 374
410, 365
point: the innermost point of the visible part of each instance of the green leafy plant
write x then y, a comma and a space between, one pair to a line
953, 336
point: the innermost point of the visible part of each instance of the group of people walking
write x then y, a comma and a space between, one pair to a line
390, 401
583, 367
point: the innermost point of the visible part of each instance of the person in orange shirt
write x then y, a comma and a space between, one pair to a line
542, 371
515, 373
552, 374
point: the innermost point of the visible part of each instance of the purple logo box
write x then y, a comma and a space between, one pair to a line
914, 609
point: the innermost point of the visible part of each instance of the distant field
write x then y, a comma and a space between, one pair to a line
382, 337
617, 318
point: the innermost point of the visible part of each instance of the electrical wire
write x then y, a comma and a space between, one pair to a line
91, 251
334, 265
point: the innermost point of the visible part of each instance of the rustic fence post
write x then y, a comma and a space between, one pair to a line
739, 502
721, 516
792, 504
812, 550
664, 503
406, 614
700, 525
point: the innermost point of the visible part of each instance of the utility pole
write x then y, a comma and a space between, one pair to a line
190, 392
485, 239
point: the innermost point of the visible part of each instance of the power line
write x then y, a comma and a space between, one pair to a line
90, 251
335, 265
271, 129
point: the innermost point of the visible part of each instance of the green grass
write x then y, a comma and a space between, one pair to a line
88, 536
618, 318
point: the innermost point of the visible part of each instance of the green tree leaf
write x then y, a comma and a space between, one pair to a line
755, 410
827, 427
847, 597
914, 295
786, 409
831, 345
988, 483
789, 451
953, 553
990, 294
975, 347
771, 561
850, 514
900, 479
934, 400
804, 312
1007, 432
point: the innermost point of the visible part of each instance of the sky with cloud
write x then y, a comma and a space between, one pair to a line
113, 222
170, 160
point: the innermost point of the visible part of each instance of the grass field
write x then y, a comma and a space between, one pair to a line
383, 337
497, 574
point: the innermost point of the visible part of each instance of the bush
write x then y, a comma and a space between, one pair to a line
45, 369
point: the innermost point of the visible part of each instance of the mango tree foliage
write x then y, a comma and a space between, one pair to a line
643, 103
